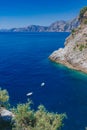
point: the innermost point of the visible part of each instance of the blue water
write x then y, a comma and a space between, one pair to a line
24, 65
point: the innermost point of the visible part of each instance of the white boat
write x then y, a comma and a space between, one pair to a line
42, 84
29, 94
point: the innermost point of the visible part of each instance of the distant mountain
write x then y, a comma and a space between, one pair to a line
31, 28
59, 26
63, 26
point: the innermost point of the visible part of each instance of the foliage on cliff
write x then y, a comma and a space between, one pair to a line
28, 119
82, 12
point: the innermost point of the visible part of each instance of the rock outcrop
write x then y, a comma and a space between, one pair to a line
5, 119
74, 54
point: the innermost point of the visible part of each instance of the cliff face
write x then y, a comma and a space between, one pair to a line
74, 54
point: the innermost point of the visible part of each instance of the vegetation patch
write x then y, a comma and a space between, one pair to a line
82, 11
80, 47
85, 21
25, 118
4, 98
73, 31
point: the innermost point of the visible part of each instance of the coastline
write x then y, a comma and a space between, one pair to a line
68, 65
74, 53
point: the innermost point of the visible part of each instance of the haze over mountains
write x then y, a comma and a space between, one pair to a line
58, 26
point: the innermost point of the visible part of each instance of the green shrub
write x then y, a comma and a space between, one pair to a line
4, 98
73, 31
85, 21
81, 47
26, 118
85, 34
82, 11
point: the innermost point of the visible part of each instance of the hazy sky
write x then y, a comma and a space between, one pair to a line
18, 13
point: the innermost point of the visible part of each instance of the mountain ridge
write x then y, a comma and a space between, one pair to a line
58, 26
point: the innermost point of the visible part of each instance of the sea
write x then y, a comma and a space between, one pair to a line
25, 66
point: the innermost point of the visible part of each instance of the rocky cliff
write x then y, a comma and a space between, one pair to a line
74, 54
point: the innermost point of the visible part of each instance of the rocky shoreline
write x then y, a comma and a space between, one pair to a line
68, 65
74, 54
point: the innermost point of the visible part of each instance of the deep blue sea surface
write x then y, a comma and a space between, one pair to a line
24, 65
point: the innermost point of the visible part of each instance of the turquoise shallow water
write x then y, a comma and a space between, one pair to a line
24, 65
